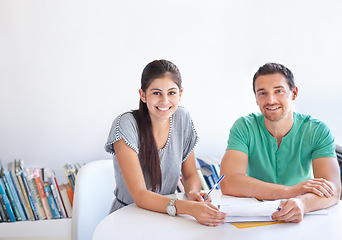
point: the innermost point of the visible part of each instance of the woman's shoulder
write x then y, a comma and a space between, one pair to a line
125, 120
182, 112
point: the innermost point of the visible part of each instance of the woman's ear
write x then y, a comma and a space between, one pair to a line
142, 95
180, 93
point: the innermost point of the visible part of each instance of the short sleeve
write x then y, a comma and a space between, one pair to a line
123, 127
185, 129
190, 141
238, 137
324, 144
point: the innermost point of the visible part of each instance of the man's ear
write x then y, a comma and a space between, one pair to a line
142, 95
294, 93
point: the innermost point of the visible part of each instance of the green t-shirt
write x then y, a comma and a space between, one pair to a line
289, 164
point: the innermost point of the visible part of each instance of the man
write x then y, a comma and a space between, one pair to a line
281, 154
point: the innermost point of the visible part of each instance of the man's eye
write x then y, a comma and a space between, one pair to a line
156, 93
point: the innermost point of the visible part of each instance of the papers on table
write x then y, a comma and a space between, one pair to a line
250, 209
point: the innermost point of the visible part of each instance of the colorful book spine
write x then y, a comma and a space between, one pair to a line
70, 193
204, 184
3, 210
57, 198
43, 198
7, 203
70, 173
211, 171
17, 196
11, 198
35, 196
51, 201
66, 201
29, 212
29, 195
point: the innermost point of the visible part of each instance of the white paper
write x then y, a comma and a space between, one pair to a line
259, 209
252, 210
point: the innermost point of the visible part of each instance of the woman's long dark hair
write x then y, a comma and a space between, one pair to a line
148, 152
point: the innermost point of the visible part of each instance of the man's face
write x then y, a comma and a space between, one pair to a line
274, 96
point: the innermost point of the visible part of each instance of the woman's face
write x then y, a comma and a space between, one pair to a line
161, 97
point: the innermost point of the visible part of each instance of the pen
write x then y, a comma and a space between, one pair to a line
215, 185
279, 208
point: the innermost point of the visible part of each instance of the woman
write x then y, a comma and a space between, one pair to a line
151, 146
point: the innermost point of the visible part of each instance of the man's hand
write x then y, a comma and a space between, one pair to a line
291, 210
318, 186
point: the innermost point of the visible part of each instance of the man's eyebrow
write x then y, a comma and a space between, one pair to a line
276, 87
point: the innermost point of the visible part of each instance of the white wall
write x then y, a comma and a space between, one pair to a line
69, 67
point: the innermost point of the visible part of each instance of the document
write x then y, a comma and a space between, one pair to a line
250, 209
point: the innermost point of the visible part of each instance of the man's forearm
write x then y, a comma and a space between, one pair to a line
312, 202
244, 186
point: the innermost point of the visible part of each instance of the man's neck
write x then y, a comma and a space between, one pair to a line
280, 128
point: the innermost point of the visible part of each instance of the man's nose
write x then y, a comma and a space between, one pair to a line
271, 99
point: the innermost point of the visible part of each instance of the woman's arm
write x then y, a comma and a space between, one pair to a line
191, 181
128, 160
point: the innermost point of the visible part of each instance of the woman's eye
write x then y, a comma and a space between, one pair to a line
172, 93
156, 93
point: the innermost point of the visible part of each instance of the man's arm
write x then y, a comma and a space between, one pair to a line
294, 209
236, 183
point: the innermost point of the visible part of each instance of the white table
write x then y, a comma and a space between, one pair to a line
132, 222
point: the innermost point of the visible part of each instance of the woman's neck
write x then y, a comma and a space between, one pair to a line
160, 130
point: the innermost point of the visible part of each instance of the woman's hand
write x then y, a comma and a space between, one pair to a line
198, 197
207, 214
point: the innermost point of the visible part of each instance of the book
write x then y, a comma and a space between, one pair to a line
35, 193
205, 163
12, 168
18, 173
29, 195
216, 162
70, 193
51, 201
180, 186
207, 175
42, 194
66, 200
3, 210
55, 192
204, 184
7, 205
70, 173
10, 193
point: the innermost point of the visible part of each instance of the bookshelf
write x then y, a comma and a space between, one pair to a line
53, 222
53, 229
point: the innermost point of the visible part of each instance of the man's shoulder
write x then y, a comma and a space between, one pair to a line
251, 119
301, 118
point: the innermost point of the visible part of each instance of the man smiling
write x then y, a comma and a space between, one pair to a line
281, 154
